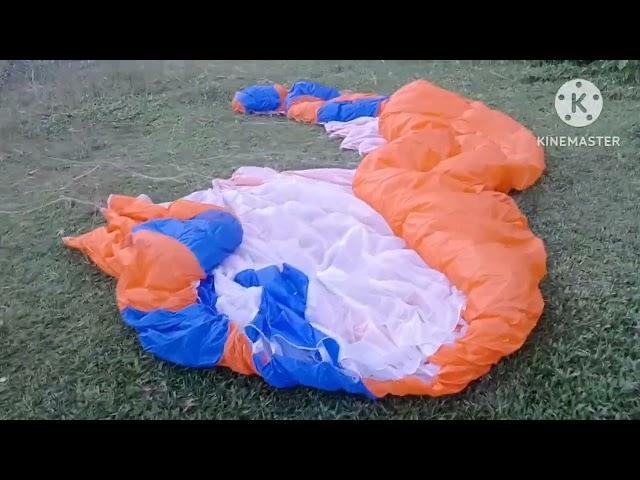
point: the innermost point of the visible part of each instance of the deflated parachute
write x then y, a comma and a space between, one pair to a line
411, 275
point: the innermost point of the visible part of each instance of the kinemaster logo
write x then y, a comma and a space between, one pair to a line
579, 103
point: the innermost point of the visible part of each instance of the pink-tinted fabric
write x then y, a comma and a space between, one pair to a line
360, 134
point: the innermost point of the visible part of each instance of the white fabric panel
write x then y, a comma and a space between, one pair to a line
386, 309
360, 134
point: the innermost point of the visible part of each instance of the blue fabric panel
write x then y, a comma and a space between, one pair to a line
259, 99
313, 89
193, 337
211, 236
206, 292
288, 288
293, 345
349, 109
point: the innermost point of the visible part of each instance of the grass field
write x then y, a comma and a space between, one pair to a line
72, 133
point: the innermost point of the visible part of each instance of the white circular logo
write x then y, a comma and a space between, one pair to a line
578, 102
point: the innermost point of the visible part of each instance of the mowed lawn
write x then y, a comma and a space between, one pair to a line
71, 133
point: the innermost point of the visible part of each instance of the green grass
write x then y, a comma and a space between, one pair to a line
83, 130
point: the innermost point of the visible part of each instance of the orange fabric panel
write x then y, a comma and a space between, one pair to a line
161, 273
142, 211
237, 106
382, 106
282, 92
135, 208
153, 270
347, 95
425, 149
304, 99
418, 105
102, 246
185, 209
238, 355
305, 109
441, 184
518, 145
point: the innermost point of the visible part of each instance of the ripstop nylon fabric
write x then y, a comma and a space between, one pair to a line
412, 274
